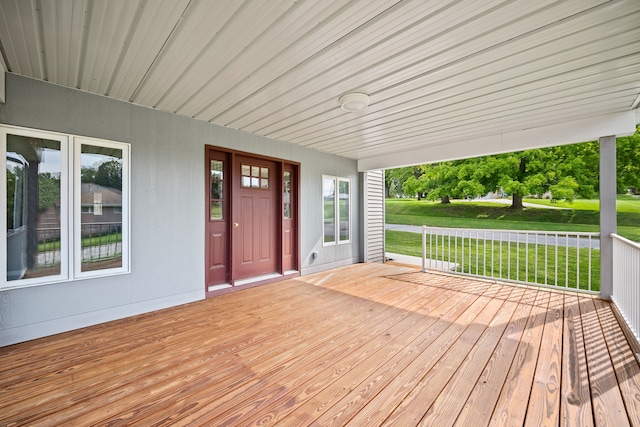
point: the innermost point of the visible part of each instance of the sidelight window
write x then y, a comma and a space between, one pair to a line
217, 189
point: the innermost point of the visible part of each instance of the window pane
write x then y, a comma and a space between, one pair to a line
255, 171
34, 170
246, 181
216, 209
343, 215
216, 170
286, 196
246, 170
328, 194
101, 189
217, 190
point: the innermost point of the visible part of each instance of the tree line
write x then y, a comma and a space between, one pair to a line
564, 172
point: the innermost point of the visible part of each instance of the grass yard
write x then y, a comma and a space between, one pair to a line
583, 216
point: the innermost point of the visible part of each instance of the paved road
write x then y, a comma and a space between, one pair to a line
521, 237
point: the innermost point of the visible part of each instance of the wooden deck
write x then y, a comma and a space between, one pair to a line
363, 345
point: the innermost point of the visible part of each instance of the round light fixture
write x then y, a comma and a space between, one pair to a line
354, 101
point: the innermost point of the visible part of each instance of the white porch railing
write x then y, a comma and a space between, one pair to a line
560, 259
626, 281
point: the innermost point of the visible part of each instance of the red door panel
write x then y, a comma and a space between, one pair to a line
255, 227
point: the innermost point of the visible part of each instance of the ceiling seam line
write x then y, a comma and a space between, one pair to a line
147, 73
126, 45
39, 28
82, 58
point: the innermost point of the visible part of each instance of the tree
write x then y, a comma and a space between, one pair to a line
48, 190
394, 180
566, 171
109, 174
87, 174
628, 163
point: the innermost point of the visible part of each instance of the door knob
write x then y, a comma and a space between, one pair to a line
236, 225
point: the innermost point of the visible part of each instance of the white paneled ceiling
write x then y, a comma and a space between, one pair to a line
437, 72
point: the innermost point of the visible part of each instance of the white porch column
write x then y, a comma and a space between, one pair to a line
608, 222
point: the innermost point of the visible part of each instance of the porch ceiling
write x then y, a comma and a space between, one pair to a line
447, 79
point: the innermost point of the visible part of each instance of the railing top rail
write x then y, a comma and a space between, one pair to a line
626, 241
497, 230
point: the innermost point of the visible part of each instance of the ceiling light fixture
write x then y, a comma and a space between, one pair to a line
354, 102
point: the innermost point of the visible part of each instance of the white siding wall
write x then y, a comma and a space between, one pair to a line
374, 216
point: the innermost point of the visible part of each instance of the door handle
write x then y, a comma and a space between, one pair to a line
236, 225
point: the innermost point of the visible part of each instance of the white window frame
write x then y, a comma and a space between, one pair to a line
78, 141
70, 208
336, 214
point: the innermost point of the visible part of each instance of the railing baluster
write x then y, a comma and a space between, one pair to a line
500, 273
556, 263
478, 252
484, 252
449, 249
526, 257
566, 262
546, 257
509, 255
535, 274
470, 266
577, 261
517, 256
456, 250
590, 250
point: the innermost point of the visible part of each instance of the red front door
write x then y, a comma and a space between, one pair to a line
255, 217
251, 220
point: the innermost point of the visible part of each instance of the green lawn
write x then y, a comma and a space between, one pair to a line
103, 239
624, 203
584, 216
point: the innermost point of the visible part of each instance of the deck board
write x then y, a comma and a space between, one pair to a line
366, 344
608, 407
576, 407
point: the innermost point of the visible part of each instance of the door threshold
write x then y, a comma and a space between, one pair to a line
257, 279
218, 287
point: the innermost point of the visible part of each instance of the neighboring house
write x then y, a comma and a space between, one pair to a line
239, 166
100, 204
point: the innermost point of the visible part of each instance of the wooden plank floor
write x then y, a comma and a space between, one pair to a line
363, 345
